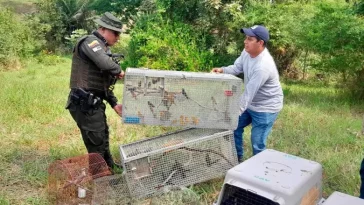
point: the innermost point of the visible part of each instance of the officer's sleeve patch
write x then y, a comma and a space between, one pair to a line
96, 48
93, 44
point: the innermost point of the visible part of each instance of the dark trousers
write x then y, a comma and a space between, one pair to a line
362, 179
94, 130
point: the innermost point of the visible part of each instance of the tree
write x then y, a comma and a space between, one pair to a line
336, 35
359, 8
63, 17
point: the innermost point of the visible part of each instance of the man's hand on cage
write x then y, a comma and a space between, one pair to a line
121, 75
217, 70
118, 109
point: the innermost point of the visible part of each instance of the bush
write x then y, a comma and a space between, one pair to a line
122, 47
160, 44
359, 8
17, 39
48, 58
74, 37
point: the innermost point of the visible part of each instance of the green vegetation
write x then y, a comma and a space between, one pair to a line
157, 43
308, 37
318, 123
17, 39
317, 44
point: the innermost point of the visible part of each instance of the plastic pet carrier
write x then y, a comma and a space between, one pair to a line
338, 198
273, 178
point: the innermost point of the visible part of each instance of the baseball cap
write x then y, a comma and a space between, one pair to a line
257, 31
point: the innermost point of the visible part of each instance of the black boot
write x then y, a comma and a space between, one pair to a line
115, 168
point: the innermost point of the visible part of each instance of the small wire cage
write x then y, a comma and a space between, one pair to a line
184, 99
182, 158
70, 181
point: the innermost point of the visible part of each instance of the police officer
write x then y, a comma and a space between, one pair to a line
93, 75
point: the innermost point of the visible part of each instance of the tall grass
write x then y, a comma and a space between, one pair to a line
317, 123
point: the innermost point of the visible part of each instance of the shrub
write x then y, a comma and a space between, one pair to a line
17, 39
160, 44
74, 37
48, 58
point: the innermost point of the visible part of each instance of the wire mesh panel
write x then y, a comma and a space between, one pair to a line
181, 158
110, 190
273, 178
70, 181
182, 196
186, 99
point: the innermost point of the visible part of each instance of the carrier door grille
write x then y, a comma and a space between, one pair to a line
237, 196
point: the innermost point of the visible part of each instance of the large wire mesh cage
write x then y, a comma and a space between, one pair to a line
111, 190
71, 181
185, 99
181, 196
181, 158
273, 178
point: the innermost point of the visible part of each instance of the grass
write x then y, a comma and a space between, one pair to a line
20, 6
317, 123
21, 1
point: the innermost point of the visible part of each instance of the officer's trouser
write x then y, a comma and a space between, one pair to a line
94, 130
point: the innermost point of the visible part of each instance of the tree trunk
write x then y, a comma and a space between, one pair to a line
362, 129
344, 76
304, 65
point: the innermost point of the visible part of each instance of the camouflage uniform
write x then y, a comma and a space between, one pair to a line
94, 72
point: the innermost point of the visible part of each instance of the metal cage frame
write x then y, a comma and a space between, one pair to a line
155, 165
183, 99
